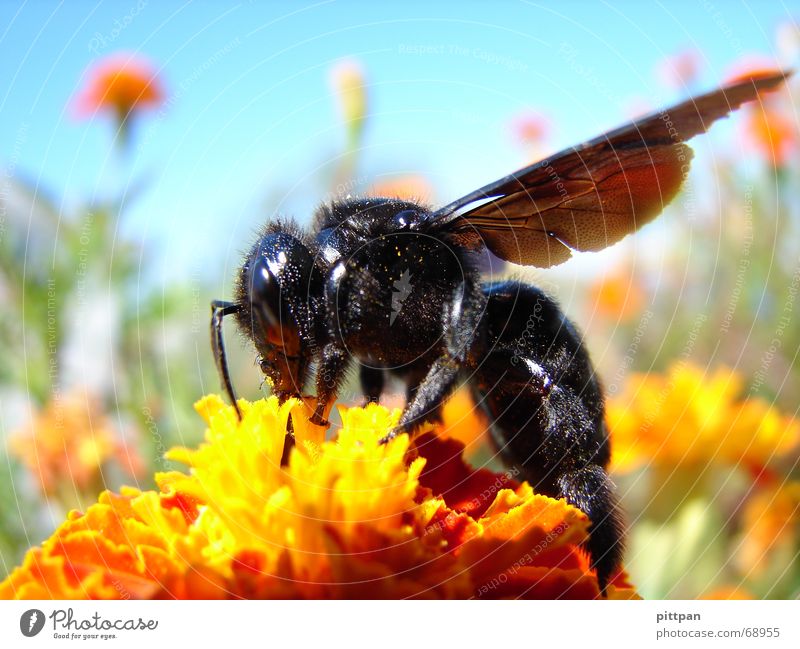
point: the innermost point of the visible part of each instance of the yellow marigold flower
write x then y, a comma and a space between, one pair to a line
346, 518
770, 528
349, 83
68, 443
691, 416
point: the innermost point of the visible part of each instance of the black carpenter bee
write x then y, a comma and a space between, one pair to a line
394, 287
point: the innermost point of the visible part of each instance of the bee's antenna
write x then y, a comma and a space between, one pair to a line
219, 309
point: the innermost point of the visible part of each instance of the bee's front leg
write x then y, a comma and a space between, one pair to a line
330, 375
462, 328
429, 397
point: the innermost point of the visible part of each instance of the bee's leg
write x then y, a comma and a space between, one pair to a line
330, 374
462, 325
591, 490
372, 380
289, 442
429, 397
219, 309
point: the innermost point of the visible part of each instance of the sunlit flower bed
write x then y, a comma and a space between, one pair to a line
348, 518
710, 474
692, 416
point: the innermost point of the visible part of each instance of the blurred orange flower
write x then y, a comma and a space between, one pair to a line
68, 443
350, 518
617, 296
690, 416
768, 126
411, 187
463, 420
121, 84
771, 132
770, 526
531, 129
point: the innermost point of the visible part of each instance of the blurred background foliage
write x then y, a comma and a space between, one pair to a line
692, 324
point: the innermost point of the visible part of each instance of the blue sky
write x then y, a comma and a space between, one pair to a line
251, 115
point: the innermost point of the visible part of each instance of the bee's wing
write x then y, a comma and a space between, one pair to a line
590, 196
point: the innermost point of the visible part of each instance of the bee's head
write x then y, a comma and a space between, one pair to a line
276, 290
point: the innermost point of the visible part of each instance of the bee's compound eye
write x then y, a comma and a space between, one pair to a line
277, 325
265, 292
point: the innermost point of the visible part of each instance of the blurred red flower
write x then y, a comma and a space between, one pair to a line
531, 130
121, 84
680, 70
